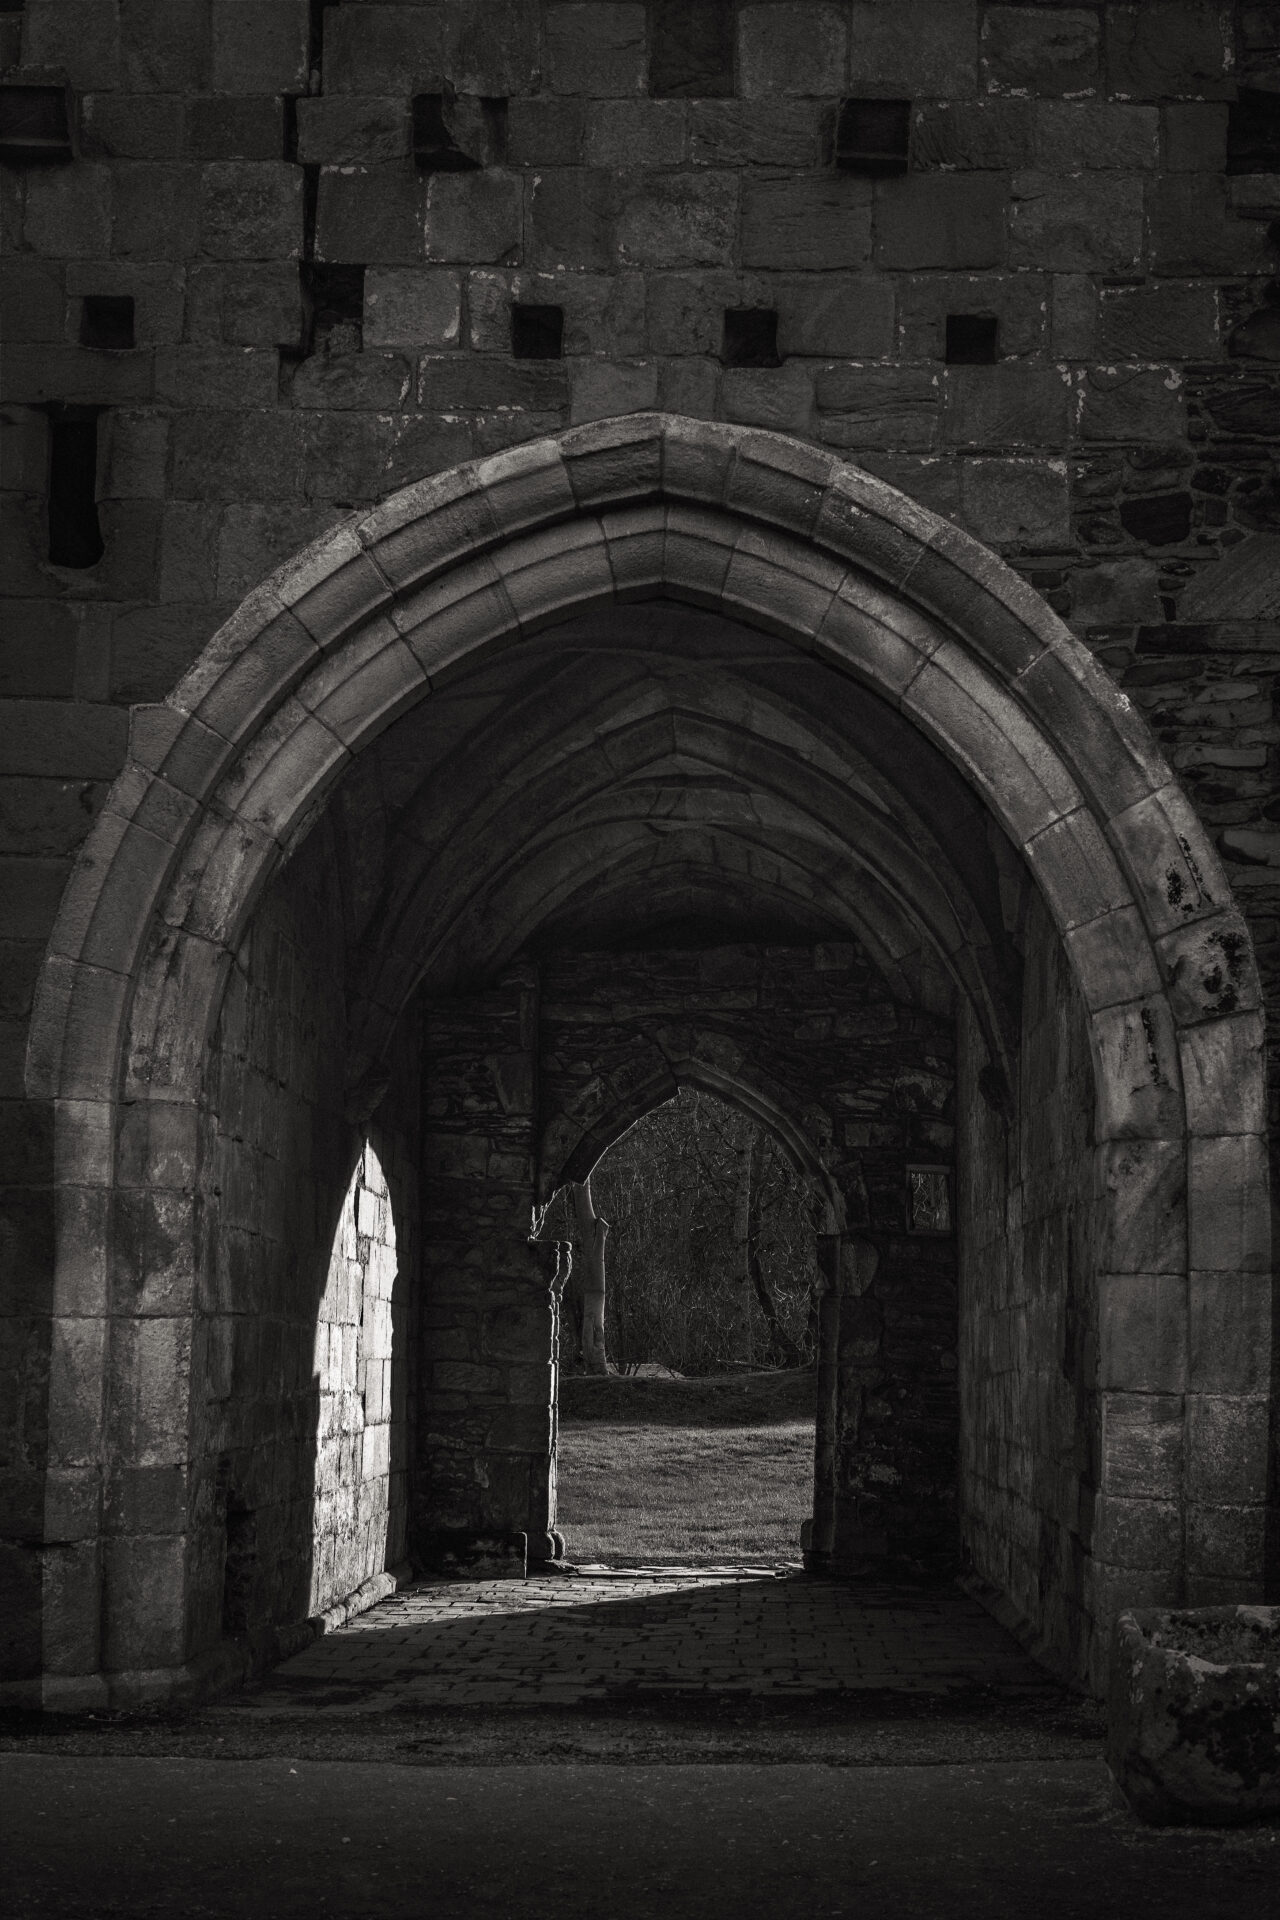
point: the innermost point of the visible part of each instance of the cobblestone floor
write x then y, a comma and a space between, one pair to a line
599, 1634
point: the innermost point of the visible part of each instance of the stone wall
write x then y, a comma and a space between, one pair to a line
318, 318
1032, 1417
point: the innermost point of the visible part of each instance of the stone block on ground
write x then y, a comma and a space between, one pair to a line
1192, 1713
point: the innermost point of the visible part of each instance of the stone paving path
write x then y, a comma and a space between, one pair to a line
612, 1634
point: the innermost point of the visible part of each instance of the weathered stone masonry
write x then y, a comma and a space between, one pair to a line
318, 319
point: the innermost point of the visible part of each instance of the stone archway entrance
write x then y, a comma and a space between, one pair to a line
849, 713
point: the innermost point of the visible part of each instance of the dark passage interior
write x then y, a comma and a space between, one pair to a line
651, 853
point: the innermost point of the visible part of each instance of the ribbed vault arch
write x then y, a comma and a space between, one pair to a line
398, 604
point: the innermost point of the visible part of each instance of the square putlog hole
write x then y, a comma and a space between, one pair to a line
750, 337
873, 136
106, 321
333, 305
1253, 132
35, 124
972, 339
537, 333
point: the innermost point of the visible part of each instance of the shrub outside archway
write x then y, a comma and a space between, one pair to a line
372, 618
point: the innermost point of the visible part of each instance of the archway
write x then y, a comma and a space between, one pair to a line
850, 581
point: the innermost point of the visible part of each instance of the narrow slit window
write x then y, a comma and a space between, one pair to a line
75, 537
537, 332
750, 337
972, 339
106, 321
873, 136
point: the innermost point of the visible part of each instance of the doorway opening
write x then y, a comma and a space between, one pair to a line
696, 1445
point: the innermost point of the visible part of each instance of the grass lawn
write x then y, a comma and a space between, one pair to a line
673, 1471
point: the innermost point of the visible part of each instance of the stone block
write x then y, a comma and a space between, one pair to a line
1229, 1333
412, 306
234, 456
634, 134
1144, 1186
156, 212
493, 47
1195, 137
354, 130
132, 456
1142, 1331
259, 46
925, 51
678, 220
877, 406
571, 213
384, 381
942, 220
545, 133
689, 387
1082, 223
1164, 321
131, 126
728, 133
1227, 1204
996, 135
685, 311
383, 49
791, 223
31, 300
256, 539
1227, 1449
1177, 47
597, 49
164, 46
1076, 134
1017, 503
1126, 403
371, 216
792, 49
834, 315
251, 210
1225, 1540
216, 376
1115, 593
1190, 1723
146, 1595
1142, 1445
242, 129
1019, 302
472, 382
150, 649
602, 388
1038, 50
71, 739
68, 210
1193, 231
776, 397
1223, 1075
1005, 406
